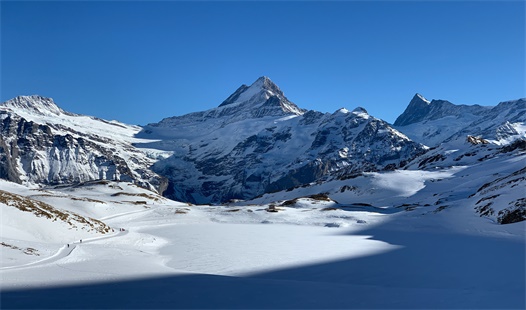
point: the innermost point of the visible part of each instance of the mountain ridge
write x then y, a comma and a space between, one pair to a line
254, 142
239, 154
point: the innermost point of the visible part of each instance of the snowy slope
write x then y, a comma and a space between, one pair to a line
482, 180
311, 253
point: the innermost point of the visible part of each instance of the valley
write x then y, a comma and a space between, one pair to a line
258, 203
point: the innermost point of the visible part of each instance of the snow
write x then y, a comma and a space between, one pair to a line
406, 183
408, 238
423, 99
79, 123
306, 255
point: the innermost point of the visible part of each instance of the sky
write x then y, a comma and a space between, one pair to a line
141, 61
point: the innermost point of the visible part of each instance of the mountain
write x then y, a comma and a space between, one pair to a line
40, 144
257, 141
420, 109
258, 102
253, 143
436, 121
475, 165
431, 122
502, 124
443, 224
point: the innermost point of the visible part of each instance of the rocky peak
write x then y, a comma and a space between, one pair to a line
263, 95
421, 109
417, 109
360, 110
262, 87
34, 104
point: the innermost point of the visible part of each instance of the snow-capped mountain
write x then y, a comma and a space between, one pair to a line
42, 144
451, 214
258, 141
254, 142
476, 163
260, 101
436, 121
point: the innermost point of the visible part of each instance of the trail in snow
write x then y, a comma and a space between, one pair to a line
122, 214
64, 251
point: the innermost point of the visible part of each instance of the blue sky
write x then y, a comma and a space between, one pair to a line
140, 61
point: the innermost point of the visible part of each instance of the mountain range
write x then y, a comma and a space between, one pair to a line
256, 142
258, 203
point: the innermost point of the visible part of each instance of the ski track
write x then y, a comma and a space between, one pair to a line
122, 214
64, 251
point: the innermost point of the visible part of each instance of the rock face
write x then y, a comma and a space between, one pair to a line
257, 141
42, 144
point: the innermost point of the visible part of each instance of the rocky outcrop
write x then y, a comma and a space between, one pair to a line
46, 151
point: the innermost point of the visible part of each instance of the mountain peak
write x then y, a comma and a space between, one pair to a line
417, 109
33, 104
419, 98
263, 97
263, 85
265, 82
420, 109
360, 110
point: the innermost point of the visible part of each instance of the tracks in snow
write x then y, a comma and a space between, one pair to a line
64, 251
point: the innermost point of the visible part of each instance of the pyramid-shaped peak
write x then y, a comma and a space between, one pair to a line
417, 109
263, 79
261, 98
262, 87
265, 83
33, 104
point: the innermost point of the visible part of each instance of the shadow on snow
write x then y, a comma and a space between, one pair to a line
432, 270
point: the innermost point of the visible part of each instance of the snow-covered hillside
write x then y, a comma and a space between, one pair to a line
309, 252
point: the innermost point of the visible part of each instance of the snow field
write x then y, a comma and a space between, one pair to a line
309, 254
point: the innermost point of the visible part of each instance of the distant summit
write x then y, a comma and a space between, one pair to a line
416, 110
34, 104
261, 99
420, 109
244, 92
264, 95
439, 121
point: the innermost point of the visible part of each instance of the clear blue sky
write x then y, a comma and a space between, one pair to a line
139, 62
